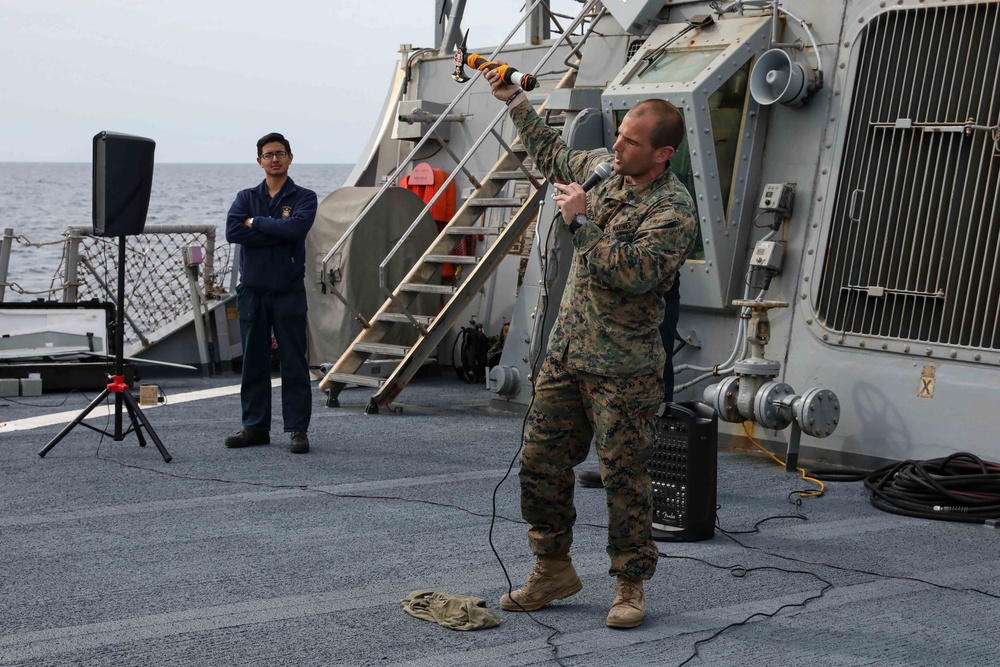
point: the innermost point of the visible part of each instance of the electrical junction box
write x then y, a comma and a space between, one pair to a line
777, 198
193, 256
768, 255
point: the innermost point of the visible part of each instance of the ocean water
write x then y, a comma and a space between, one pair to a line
40, 200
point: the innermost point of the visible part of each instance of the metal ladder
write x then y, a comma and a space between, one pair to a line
396, 310
433, 328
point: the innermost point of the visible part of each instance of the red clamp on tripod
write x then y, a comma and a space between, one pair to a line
117, 384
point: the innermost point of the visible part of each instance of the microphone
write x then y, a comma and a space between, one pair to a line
601, 173
506, 72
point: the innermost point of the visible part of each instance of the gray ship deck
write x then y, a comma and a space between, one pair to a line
260, 557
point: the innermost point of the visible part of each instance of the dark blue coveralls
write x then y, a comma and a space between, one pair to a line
271, 296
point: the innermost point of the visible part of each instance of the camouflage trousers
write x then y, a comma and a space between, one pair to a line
569, 409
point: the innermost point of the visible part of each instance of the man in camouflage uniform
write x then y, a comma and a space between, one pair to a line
603, 373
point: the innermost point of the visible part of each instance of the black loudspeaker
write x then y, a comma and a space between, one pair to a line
123, 179
684, 469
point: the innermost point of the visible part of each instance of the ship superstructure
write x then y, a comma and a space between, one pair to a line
844, 161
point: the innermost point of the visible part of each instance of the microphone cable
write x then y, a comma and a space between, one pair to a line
601, 173
543, 255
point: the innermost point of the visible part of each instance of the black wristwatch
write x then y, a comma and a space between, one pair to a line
579, 220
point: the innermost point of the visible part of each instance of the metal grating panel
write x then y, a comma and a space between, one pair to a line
633, 48
914, 244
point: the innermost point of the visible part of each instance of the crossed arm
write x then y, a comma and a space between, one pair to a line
266, 231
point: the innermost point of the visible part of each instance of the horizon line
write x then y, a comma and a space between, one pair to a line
165, 162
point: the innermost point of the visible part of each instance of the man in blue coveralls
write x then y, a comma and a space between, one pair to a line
270, 222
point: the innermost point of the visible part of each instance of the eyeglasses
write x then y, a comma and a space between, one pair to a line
281, 155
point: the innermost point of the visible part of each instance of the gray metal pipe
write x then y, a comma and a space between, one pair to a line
5, 245
71, 259
196, 313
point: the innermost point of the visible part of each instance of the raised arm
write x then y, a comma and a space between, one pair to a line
557, 161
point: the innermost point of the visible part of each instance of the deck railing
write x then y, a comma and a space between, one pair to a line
158, 291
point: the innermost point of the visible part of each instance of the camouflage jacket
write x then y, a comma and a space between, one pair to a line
624, 259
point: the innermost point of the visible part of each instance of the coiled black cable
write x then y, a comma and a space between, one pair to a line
960, 487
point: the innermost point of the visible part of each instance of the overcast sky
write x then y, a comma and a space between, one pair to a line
206, 78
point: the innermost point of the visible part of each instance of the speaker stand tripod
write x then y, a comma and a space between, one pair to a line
117, 386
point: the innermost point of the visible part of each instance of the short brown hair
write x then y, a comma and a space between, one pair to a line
669, 131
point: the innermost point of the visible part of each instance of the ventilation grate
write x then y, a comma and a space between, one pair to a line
633, 48
914, 239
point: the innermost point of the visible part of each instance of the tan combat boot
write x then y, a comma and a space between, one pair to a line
552, 578
629, 607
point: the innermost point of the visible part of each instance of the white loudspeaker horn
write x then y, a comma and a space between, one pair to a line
776, 77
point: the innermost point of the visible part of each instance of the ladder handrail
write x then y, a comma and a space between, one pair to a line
475, 146
468, 86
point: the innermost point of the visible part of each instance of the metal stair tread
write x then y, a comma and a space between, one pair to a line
450, 259
401, 317
515, 175
466, 230
496, 202
426, 288
382, 348
351, 378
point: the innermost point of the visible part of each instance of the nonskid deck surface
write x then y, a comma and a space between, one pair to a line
260, 557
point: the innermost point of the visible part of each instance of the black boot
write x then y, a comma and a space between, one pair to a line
248, 438
300, 443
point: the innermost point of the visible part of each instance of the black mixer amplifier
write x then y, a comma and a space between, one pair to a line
683, 469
